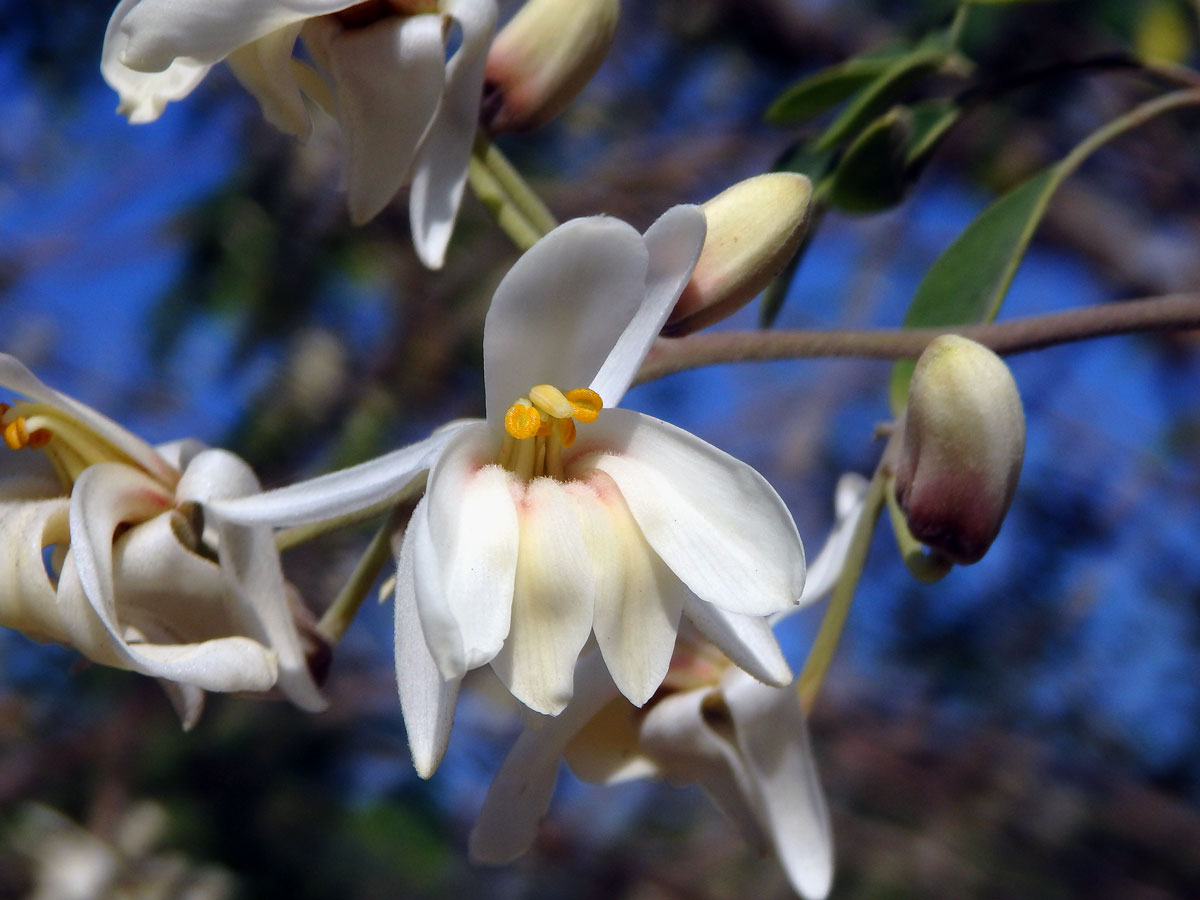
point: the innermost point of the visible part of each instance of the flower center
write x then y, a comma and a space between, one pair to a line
70, 445
539, 427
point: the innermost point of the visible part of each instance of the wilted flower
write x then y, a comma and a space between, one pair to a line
408, 114
533, 535
543, 58
754, 228
962, 447
744, 742
105, 551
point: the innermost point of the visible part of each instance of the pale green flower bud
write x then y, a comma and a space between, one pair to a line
543, 58
754, 229
962, 447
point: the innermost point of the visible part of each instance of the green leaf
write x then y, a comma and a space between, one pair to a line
882, 90
815, 93
871, 175
967, 283
931, 119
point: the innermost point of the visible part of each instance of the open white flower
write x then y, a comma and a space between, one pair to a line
407, 113
744, 742
100, 550
532, 535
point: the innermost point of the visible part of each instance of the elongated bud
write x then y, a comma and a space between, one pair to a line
963, 444
754, 228
542, 58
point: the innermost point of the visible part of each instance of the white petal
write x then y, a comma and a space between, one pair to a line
26, 592
387, 80
825, 570
106, 495
441, 169
473, 529
686, 735
714, 520
748, 641
638, 599
607, 750
144, 95
773, 739
520, 793
561, 308
441, 630
427, 700
552, 602
187, 699
148, 35
337, 493
264, 67
252, 568
674, 243
16, 377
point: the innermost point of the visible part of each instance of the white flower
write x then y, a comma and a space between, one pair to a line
744, 742
529, 540
407, 113
129, 581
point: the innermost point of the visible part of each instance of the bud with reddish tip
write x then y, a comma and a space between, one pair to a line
543, 58
754, 229
962, 447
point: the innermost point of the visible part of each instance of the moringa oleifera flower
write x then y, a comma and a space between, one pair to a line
559, 516
104, 549
408, 113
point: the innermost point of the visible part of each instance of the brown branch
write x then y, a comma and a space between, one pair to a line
1174, 312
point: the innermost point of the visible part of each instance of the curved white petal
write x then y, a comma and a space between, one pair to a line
440, 173
26, 591
387, 81
674, 243
520, 793
144, 95
427, 700
773, 738
443, 637
337, 493
561, 309
474, 529
714, 520
607, 750
250, 562
552, 601
688, 736
106, 495
16, 377
186, 699
265, 69
638, 599
148, 35
748, 641
823, 574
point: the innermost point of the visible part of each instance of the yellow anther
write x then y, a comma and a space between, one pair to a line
40, 438
521, 421
550, 399
566, 431
585, 404
14, 434
546, 427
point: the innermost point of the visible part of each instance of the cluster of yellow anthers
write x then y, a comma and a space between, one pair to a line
539, 427
70, 446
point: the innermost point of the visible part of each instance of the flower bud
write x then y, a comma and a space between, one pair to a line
962, 446
542, 58
754, 229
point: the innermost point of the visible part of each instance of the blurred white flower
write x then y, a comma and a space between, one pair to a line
529, 539
744, 742
101, 549
407, 112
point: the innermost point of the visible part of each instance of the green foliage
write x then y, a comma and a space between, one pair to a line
814, 94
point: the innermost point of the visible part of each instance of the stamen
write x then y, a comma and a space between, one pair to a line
565, 429
15, 435
522, 420
550, 399
585, 404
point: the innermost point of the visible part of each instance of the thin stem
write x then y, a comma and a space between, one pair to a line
925, 566
518, 210
1175, 312
830, 633
341, 613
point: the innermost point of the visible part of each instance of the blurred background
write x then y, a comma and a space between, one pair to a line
1028, 727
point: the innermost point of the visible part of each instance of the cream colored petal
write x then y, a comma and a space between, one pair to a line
748, 641
27, 601
638, 599
265, 69
427, 700
552, 602
608, 749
